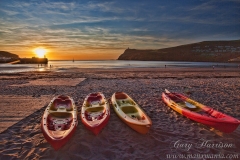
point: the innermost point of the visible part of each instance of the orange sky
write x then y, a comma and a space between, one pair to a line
86, 54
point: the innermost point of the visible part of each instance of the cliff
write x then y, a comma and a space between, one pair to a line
207, 51
8, 54
6, 57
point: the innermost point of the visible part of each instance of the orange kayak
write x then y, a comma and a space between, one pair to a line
199, 112
59, 121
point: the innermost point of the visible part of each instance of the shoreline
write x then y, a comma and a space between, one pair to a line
147, 73
60, 66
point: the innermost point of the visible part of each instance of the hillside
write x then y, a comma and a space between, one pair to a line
8, 54
6, 57
207, 51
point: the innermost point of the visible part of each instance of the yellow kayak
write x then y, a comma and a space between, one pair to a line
130, 112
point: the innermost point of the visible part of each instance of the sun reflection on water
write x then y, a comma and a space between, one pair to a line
41, 69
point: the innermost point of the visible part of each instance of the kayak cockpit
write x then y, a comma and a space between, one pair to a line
189, 106
61, 105
183, 103
128, 107
59, 121
95, 101
125, 102
95, 113
120, 95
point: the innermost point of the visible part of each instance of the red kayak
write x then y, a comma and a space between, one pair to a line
59, 121
199, 112
95, 112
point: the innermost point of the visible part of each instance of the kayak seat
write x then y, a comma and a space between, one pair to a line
95, 104
63, 97
120, 102
128, 102
59, 104
94, 98
96, 113
95, 101
132, 112
69, 106
125, 102
55, 104
56, 124
129, 109
120, 95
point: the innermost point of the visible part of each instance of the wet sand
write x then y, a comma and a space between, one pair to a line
218, 88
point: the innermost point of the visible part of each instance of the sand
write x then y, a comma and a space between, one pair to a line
219, 89
23, 106
52, 82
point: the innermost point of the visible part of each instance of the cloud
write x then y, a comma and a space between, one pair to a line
115, 24
9, 13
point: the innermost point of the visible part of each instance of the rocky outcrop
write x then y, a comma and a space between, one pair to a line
6, 57
8, 54
207, 51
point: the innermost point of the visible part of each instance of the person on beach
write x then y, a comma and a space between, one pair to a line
165, 65
212, 67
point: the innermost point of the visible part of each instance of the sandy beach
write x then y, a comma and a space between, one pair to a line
25, 95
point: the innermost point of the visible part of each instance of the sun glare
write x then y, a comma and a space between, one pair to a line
40, 52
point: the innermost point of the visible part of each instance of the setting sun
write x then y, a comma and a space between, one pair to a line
40, 52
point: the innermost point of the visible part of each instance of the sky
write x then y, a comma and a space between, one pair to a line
103, 29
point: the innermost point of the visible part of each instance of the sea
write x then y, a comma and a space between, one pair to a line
58, 65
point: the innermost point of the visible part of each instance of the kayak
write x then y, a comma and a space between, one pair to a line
199, 112
130, 112
59, 121
95, 112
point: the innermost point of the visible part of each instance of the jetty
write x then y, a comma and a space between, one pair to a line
33, 60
